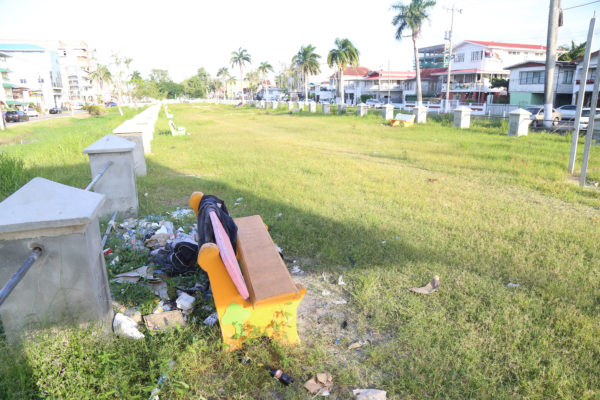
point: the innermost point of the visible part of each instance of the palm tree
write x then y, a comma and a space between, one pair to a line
263, 69
307, 61
223, 73
412, 16
253, 78
341, 56
101, 76
230, 81
573, 53
239, 58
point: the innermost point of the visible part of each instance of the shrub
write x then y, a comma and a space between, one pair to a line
95, 109
365, 97
12, 175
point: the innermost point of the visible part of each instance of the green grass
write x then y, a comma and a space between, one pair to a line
475, 207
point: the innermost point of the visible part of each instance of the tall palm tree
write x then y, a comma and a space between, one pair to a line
307, 62
223, 73
101, 75
412, 16
341, 56
572, 53
263, 69
240, 58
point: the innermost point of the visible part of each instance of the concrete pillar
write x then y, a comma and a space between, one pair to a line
518, 122
290, 105
118, 182
301, 106
341, 108
68, 282
135, 135
462, 117
262, 104
361, 110
274, 105
312, 107
326, 108
387, 112
420, 114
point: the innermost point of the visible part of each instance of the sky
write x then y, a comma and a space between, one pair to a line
181, 36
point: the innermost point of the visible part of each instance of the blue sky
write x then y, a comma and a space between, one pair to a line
181, 36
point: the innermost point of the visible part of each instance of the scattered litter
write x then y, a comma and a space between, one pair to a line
398, 237
159, 382
182, 212
211, 320
164, 320
280, 376
107, 251
159, 287
369, 394
431, 180
352, 262
323, 276
341, 281
383, 241
279, 215
358, 344
320, 383
336, 341
296, 270
338, 302
344, 324
132, 276
185, 302
115, 261
125, 326
325, 292
513, 284
279, 249
236, 204
146, 194
239, 199
159, 239
429, 288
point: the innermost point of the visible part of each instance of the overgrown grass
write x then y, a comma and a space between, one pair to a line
387, 208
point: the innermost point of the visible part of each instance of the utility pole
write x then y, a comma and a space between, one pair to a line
582, 84
550, 62
389, 83
449, 38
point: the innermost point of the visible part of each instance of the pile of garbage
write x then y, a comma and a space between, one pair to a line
162, 292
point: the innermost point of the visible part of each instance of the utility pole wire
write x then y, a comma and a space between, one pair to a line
581, 5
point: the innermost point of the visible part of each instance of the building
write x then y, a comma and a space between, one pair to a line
36, 74
75, 67
589, 83
526, 84
378, 84
476, 63
433, 57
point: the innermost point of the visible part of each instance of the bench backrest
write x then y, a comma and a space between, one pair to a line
265, 273
405, 117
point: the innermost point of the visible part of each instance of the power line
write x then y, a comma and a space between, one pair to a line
581, 5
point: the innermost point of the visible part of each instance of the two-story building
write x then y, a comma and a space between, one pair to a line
589, 83
527, 81
378, 84
476, 63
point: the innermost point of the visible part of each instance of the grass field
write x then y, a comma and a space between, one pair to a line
387, 208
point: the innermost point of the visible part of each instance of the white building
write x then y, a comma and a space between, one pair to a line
377, 84
475, 63
589, 84
526, 85
75, 67
36, 74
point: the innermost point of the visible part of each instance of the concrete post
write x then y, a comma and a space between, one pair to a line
290, 105
312, 107
387, 112
361, 110
135, 134
462, 117
341, 108
68, 282
326, 108
262, 104
420, 114
274, 105
118, 182
301, 106
518, 122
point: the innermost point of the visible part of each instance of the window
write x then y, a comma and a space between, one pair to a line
531, 77
567, 77
459, 57
514, 53
476, 55
23, 80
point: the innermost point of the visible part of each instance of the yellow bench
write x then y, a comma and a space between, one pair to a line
274, 298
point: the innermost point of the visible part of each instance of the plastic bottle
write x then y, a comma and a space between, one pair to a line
280, 376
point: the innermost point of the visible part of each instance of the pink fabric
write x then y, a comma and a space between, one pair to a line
228, 256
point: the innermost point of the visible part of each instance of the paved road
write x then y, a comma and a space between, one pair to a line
47, 116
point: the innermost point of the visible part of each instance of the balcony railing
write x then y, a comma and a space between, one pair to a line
470, 87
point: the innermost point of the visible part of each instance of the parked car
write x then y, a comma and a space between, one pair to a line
373, 103
537, 116
110, 104
55, 110
567, 111
16, 116
32, 112
584, 120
